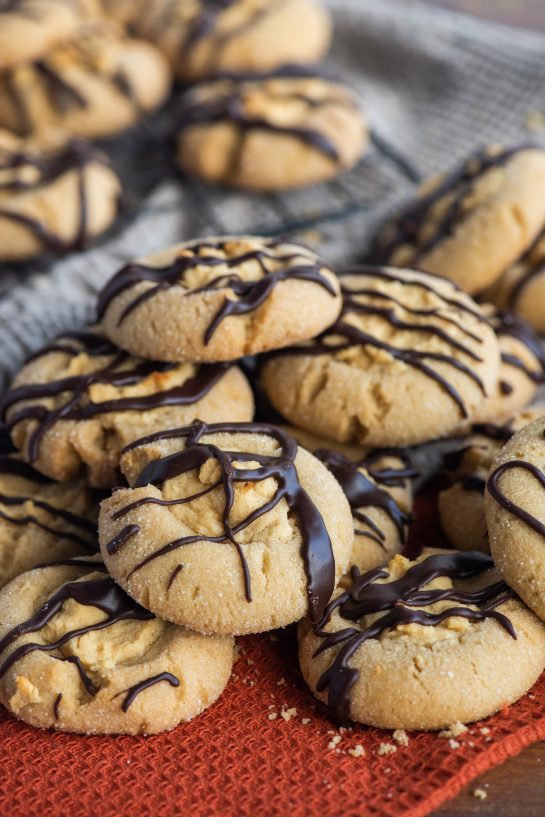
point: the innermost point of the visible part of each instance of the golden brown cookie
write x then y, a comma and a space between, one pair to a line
522, 287
227, 528
461, 506
29, 29
80, 400
378, 487
219, 299
422, 645
515, 514
96, 84
282, 131
41, 520
53, 199
410, 358
77, 654
473, 224
203, 38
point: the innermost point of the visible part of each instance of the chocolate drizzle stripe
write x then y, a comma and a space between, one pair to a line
135, 690
493, 487
56, 706
174, 575
399, 600
316, 548
19, 468
90, 687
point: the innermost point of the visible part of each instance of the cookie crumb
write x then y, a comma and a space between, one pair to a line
484, 730
335, 740
401, 737
288, 714
454, 731
305, 721
386, 749
454, 744
480, 794
281, 682
250, 662
357, 751
273, 716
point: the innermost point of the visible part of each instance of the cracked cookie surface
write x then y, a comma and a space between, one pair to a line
78, 401
219, 299
410, 358
229, 528
77, 654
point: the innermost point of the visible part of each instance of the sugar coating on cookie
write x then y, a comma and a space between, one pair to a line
41, 520
522, 367
514, 503
219, 299
53, 198
461, 505
204, 38
77, 654
227, 528
283, 131
410, 358
473, 224
422, 645
95, 85
78, 401
30, 28
521, 288
378, 487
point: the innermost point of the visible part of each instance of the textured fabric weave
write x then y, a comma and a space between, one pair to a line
435, 86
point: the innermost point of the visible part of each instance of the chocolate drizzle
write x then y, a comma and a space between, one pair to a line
534, 269
135, 690
344, 335
90, 687
250, 295
114, 372
401, 601
495, 491
104, 594
507, 324
407, 227
316, 548
363, 493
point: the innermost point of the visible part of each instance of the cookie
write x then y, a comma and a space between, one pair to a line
203, 38
423, 645
522, 287
77, 654
285, 131
227, 528
378, 487
55, 199
219, 299
30, 28
522, 367
97, 84
473, 224
514, 498
410, 358
461, 505
41, 520
80, 400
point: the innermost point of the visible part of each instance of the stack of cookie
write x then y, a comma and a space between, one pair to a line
226, 526
66, 73
483, 226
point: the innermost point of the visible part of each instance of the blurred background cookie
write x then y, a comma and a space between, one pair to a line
272, 133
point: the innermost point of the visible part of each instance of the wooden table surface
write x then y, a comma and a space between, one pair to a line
517, 788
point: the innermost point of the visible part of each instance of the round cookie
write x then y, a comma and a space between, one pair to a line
522, 287
77, 654
426, 644
521, 371
54, 199
219, 299
410, 358
30, 28
514, 505
78, 401
97, 84
461, 506
279, 132
204, 38
377, 485
228, 528
473, 224
41, 520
